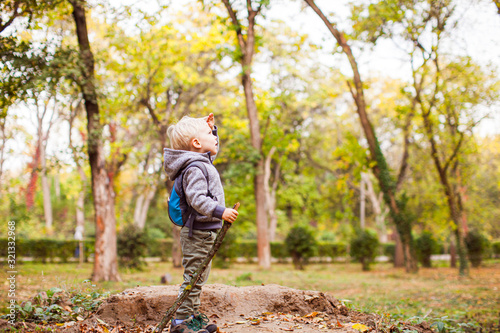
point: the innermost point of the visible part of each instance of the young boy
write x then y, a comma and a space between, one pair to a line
195, 139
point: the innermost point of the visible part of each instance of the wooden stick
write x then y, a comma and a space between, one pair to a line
196, 276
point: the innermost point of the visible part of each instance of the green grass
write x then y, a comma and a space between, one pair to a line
438, 292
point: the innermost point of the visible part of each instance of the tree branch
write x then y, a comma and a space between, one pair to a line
404, 160
236, 23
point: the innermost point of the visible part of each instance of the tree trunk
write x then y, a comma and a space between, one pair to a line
380, 214
42, 137
453, 255
380, 168
399, 257
263, 246
362, 202
246, 45
271, 193
31, 188
105, 260
142, 206
47, 204
57, 186
451, 196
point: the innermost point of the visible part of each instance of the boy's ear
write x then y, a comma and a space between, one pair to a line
196, 143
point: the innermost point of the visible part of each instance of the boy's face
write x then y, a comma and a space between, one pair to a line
205, 142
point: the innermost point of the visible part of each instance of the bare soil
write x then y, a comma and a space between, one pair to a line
267, 308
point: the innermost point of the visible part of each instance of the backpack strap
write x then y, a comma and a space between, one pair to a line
191, 211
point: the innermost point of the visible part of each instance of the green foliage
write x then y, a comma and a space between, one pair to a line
495, 247
58, 305
426, 245
332, 250
155, 233
161, 248
45, 250
301, 245
477, 247
364, 247
227, 252
132, 244
182, 64
389, 250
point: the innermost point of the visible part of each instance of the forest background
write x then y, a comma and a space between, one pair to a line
294, 113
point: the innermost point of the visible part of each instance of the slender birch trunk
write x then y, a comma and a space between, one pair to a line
142, 206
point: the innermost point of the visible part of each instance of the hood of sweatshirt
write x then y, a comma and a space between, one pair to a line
175, 160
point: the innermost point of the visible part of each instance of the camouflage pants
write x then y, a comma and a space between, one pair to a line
194, 250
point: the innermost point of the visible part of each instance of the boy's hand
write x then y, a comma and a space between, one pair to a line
210, 120
230, 215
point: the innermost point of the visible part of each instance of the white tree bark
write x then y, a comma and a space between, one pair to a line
43, 136
57, 186
271, 193
380, 214
142, 206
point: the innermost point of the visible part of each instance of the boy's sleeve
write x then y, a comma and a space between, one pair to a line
195, 189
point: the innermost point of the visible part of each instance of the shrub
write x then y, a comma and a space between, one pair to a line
46, 249
301, 245
279, 251
331, 250
495, 246
160, 248
227, 251
477, 247
248, 249
132, 247
426, 245
364, 247
56, 305
389, 250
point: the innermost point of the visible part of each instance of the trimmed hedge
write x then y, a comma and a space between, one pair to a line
495, 247
49, 249
46, 249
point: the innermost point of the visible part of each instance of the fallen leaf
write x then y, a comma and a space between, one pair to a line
286, 329
312, 314
101, 321
255, 322
241, 322
360, 327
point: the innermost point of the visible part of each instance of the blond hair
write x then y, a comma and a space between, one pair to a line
184, 131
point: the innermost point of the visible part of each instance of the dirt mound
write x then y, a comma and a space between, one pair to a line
147, 305
269, 308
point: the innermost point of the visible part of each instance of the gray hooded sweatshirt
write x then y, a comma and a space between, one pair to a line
195, 186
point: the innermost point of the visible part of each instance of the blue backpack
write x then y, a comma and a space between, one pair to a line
179, 211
